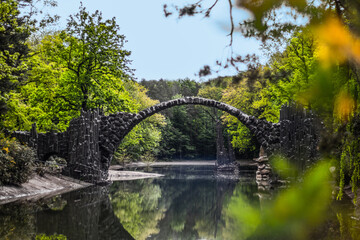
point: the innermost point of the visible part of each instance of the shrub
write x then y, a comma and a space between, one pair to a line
54, 165
121, 158
148, 157
51, 237
16, 162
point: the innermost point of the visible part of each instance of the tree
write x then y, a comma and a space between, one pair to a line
146, 136
82, 67
189, 132
17, 23
92, 49
272, 22
213, 90
14, 31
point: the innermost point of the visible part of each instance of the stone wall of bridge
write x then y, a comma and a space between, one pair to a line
91, 140
79, 145
300, 135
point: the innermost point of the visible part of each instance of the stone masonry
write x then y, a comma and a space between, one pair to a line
89, 143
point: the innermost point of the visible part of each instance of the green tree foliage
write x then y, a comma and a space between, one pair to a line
14, 31
138, 208
51, 237
318, 72
164, 90
293, 214
247, 93
82, 67
178, 135
213, 89
146, 136
17, 23
350, 158
92, 51
190, 131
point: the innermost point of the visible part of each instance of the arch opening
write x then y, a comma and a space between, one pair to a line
123, 123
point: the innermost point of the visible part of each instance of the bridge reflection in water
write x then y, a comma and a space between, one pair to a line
85, 214
188, 203
88, 214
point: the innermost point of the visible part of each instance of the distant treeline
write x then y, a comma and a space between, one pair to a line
190, 130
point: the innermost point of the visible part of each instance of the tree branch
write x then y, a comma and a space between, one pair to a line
73, 106
232, 23
207, 13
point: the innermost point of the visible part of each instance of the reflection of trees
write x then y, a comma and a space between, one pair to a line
195, 210
175, 208
161, 209
233, 229
88, 215
16, 222
82, 215
136, 204
215, 225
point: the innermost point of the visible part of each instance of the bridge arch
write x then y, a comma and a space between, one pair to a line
91, 140
248, 121
117, 126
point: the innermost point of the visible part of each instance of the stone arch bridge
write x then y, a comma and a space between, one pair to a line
90, 141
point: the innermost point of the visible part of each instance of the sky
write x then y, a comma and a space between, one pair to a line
168, 48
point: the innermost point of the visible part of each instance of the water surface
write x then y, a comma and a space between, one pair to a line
188, 203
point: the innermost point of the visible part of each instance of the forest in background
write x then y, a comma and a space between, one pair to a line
50, 77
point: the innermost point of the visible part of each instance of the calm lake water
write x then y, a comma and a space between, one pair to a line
188, 203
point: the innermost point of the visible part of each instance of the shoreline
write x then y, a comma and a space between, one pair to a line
40, 187
115, 175
51, 185
162, 164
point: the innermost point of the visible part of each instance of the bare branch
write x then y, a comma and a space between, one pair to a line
207, 13
232, 22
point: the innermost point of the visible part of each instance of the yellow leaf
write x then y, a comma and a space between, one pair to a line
344, 106
336, 43
6, 149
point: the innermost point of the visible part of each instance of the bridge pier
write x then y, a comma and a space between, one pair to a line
84, 156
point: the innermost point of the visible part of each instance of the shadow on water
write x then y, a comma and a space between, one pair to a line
85, 214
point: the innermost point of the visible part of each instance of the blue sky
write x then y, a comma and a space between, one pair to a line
168, 48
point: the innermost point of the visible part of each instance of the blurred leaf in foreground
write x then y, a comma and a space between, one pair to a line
293, 214
344, 105
336, 43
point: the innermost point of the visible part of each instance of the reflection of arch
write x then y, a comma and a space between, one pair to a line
117, 126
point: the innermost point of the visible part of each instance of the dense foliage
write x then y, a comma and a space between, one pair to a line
16, 162
51, 78
82, 67
14, 31
314, 61
190, 130
85, 66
